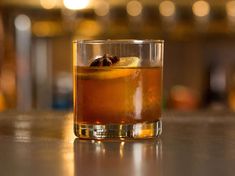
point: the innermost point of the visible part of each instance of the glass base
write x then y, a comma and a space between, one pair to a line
119, 131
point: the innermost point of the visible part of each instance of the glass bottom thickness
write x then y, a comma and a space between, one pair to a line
118, 131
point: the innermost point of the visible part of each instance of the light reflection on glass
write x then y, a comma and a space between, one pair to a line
138, 100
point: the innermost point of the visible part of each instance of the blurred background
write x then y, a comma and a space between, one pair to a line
36, 49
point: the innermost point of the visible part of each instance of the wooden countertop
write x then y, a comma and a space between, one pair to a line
42, 143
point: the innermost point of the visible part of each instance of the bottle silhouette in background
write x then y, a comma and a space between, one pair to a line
215, 93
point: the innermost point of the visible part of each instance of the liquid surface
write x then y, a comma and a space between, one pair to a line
117, 95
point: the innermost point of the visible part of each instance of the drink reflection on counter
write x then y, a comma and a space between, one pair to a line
117, 157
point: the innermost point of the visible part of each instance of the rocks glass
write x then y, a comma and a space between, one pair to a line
117, 88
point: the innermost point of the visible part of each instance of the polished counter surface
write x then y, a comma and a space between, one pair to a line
42, 143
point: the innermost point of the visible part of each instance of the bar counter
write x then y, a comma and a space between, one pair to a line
43, 143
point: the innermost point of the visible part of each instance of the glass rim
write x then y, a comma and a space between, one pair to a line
118, 41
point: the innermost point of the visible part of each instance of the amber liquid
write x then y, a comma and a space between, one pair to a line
117, 95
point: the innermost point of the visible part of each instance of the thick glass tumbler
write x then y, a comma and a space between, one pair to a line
117, 88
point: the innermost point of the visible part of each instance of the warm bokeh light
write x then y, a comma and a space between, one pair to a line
201, 8
167, 8
88, 28
76, 4
101, 8
134, 8
230, 8
22, 22
48, 4
46, 28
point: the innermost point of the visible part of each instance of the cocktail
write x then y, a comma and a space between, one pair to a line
117, 88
